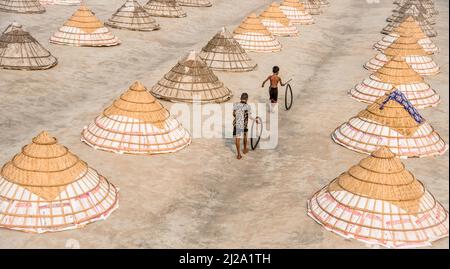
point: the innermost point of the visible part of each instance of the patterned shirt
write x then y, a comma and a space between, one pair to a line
241, 112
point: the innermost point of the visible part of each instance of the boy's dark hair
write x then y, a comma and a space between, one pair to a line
275, 69
244, 96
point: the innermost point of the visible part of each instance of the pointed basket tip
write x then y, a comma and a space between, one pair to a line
409, 19
192, 55
138, 86
383, 152
84, 7
16, 25
225, 33
44, 138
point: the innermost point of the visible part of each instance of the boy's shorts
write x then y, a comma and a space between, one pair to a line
273, 93
238, 132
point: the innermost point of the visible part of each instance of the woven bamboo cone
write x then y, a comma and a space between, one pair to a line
20, 51
407, 27
296, 12
312, 6
165, 8
83, 29
396, 73
430, 7
427, 28
254, 36
60, 2
224, 53
428, 4
408, 47
324, 3
412, 6
136, 123
22, 6
67, 2
195, 3
46, 2
397, 125
276, 22
132, 16
379, 202
46, 188
191, 81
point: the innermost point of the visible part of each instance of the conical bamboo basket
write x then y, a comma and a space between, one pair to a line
46, 2
427, 4
395, 124
195, 3
165, 8
61, 2
430, 7
136, 123
132, 16
67, 2
296, 12
419, 18
276, 22
408, 26
312, 6
46, 188
254, 36
396, 73
412, 7
324, 3
83, 29
191, 81
20, 51
414, 54
21, 6
379, 202
224, 53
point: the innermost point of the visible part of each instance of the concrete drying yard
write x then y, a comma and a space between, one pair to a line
202, 197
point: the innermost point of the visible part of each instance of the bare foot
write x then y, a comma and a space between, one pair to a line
245, 151
239, 157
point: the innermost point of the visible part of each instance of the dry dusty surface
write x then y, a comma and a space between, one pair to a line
202, 197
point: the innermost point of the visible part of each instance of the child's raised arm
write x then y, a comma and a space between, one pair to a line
264, 82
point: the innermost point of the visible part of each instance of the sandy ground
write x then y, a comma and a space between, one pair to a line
202, 197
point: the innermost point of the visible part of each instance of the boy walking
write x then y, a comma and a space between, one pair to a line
241, 114
273, 89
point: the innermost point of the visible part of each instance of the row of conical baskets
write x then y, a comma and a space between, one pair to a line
46, 187
84, 29
157, 8
192, 77
378, 201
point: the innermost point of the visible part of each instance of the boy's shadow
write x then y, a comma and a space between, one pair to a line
228, 140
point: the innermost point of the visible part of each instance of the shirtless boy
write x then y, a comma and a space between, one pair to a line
273, 90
